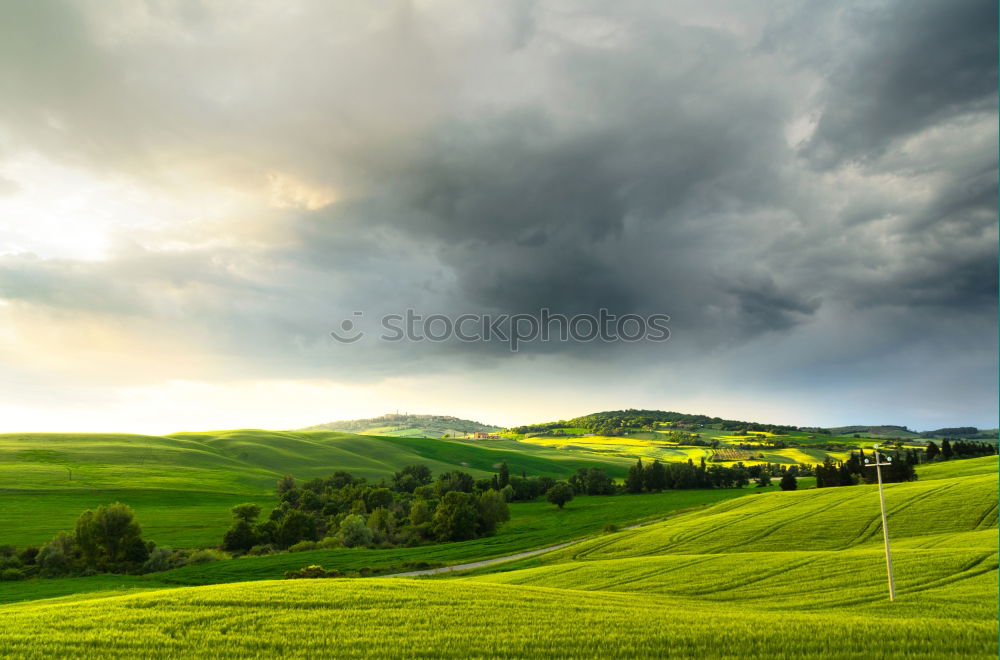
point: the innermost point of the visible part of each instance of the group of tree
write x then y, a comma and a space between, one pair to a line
954, 448
656, 476
897, 467
411, 509
105, 540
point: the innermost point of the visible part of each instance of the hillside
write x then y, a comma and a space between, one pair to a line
778, 575
183, 485
410, 426
619, 422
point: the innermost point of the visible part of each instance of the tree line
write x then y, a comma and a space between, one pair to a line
955, 448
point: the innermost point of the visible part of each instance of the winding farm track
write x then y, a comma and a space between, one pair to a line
484, 562
519, 555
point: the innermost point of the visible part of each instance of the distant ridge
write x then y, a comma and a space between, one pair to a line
615, 422
406, 425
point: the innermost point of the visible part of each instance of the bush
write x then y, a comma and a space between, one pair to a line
11, 574
313, 571
610, 528
303, 546
28, 555
159, 560
260, 550
354, 532
330, 543
206, 556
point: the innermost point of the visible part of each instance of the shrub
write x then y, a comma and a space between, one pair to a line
206, 556
159, 560
302, 546
330, 543
11, 574
260, 550
28, 555
610, 528
313, 571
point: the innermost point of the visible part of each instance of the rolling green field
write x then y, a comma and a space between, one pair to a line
182, 486
775, 575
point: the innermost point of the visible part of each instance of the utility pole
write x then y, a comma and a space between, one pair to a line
885, 529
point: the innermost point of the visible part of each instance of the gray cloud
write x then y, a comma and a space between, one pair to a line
912, 64
617, 157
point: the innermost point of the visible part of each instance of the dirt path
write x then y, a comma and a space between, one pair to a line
484, 562
520, 555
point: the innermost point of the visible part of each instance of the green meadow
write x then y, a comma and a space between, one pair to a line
773, 575
182, 486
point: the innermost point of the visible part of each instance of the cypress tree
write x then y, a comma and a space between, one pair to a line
634, 478
932, 451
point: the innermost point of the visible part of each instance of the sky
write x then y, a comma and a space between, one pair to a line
193, 196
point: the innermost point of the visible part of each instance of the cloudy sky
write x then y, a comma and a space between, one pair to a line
194, 195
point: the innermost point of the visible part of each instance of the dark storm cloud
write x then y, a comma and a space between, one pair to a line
913, 63
533, 155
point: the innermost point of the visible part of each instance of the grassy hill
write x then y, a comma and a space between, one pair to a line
183, 485
775, 575
409, 426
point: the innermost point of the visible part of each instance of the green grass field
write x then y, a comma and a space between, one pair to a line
774, 575
183, 485
532, 525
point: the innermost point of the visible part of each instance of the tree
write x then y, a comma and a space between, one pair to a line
354, 532
740, 477
655, 477
378, 498
240, 537
456, 517
247, 512
105, 535
946, 451
504, 477
763, 480
382, 523
411, 477
285, 484
559, 494
456, 480
493, 510
789, 482
420, 513
932, 450
296, 526
634, 480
